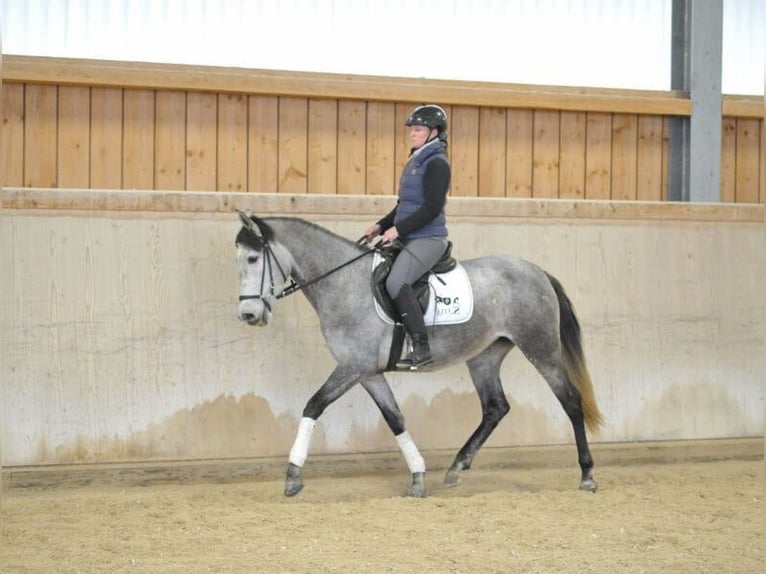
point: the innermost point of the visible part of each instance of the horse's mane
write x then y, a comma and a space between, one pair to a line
251, 239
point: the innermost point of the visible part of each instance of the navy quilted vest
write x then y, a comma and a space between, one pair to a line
411, 195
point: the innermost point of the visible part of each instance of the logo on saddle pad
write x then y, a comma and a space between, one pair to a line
450, 298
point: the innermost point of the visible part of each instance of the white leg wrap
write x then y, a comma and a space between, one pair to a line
411, 453
300, 449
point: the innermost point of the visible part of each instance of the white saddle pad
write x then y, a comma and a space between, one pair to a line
449, 303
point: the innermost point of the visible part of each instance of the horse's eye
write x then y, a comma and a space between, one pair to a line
251, 259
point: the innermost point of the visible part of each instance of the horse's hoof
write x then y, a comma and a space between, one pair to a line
452, 478
291, 489
418, 486
293, 480
416, 492
589, 485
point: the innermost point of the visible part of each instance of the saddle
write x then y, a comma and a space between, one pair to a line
446, 263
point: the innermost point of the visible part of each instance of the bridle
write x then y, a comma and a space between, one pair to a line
269, 257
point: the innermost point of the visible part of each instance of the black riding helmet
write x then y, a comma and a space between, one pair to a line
431, 116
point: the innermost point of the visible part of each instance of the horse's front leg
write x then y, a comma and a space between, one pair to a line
339, 382
380, 391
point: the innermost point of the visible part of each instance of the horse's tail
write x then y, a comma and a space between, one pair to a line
574, 359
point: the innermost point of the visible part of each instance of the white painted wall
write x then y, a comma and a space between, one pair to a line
120, 340
602, 43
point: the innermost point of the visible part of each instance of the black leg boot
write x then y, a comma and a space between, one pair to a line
412, 319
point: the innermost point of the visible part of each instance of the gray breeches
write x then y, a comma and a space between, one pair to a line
418, 256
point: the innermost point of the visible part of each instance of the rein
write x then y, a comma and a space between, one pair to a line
293, 286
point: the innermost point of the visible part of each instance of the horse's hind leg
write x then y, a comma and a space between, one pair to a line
381, 393
554, 373
485, 373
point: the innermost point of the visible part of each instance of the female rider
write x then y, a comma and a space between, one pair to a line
418, 222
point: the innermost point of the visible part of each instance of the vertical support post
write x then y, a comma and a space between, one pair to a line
695, 142
2, 180
705, 90
678, 146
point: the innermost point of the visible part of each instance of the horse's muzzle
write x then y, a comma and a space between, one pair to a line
252, 320
254, 312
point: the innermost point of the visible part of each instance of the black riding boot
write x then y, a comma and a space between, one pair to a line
412, 318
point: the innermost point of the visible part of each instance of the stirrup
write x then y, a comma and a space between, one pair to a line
409, 363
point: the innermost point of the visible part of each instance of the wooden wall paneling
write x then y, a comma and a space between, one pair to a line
220, 79
40, 129
13, 134
381, 144
748, 159
323, 146
138, 138
649, 159
293, 145
464, 154
352, 153
728, 159
545, 154
598, 155
624, 156
572, 156
106, 112
73, 144
232, 142
263, 144
127, 151
201, 146
170, 141
518, 170
492, 152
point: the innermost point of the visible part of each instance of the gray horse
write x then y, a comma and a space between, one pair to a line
516, 304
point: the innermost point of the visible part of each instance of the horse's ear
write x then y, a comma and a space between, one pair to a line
245, 218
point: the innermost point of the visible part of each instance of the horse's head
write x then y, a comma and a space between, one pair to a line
261, 270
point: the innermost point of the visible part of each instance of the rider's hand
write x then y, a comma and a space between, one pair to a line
391, 234
372, 232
